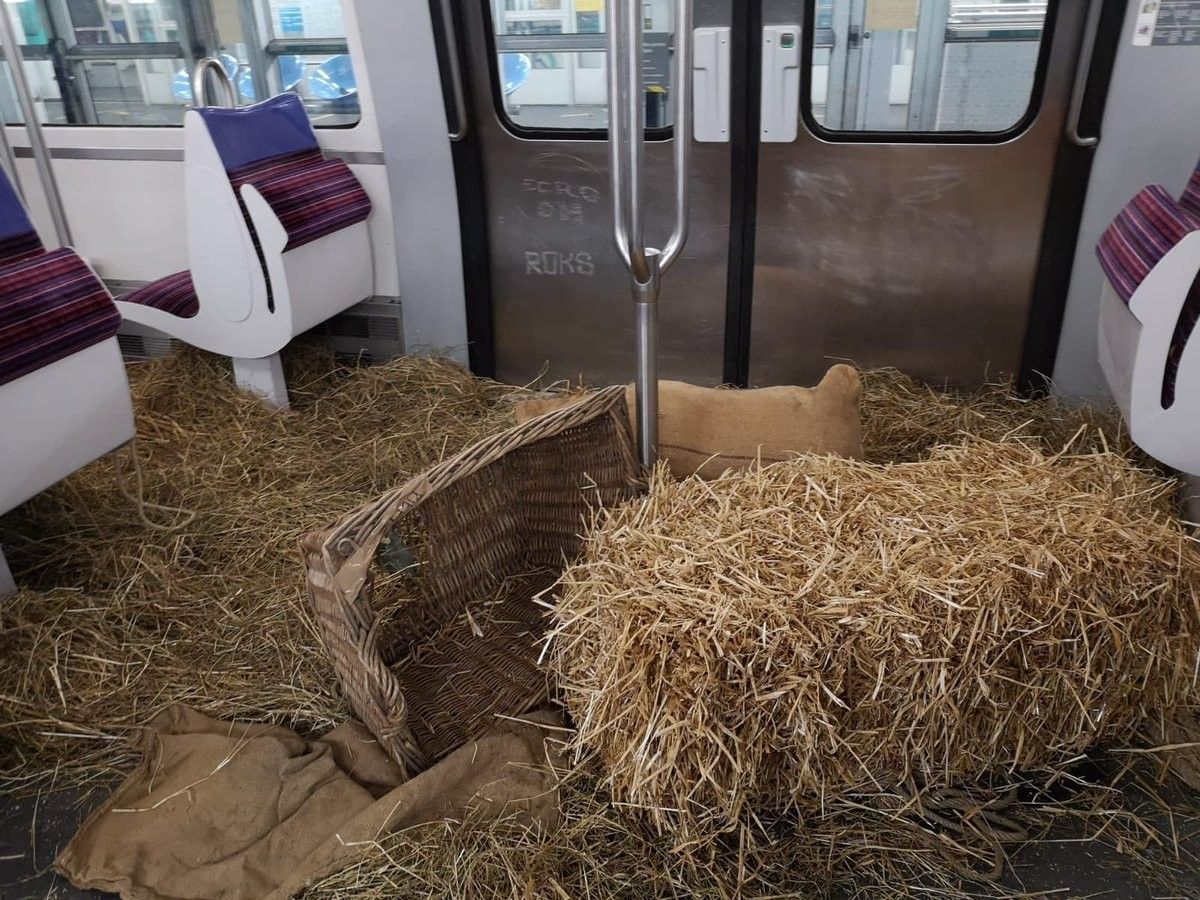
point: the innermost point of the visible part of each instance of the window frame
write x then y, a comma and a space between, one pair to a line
530, 133
838, 136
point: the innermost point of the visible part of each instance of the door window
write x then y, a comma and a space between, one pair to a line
925, 65
551, 63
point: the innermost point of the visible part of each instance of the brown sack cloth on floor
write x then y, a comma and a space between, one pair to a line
218, 809
709, 430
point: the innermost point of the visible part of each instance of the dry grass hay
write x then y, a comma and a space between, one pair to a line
848, 852
120, 618
767, 642
903, 419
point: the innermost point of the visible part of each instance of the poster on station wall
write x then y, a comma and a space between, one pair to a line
1167, 23
891, 15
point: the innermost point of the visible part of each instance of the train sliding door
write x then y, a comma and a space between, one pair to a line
560, 294
871, 182
900, 214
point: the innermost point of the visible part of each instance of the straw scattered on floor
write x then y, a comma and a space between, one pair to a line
122, 618
904, 419
872, 852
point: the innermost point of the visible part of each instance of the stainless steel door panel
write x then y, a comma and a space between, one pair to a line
915, 255
560, 291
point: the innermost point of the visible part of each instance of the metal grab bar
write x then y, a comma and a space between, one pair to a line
454, 64
200, 82
1083, 68
33, 127
627, 137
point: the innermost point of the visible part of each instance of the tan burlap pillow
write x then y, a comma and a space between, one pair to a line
709, 430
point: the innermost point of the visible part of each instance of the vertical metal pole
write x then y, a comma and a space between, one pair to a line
255, 52
627, 135
79, 105
634, 137
839, 64
37, 140
645, 304
928, 58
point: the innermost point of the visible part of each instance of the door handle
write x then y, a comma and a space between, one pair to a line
780, 100
710, 84
1083, 68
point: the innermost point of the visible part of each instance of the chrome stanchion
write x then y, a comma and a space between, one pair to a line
626, 136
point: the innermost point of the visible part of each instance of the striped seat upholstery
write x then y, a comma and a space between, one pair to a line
20, 246
261, 170
315, 200
51, 306
257, 172
1142, 234
174, 294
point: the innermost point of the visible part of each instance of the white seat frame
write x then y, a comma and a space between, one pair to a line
1134, 342
58, 419
309, 284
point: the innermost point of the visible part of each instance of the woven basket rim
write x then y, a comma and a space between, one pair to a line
361, 526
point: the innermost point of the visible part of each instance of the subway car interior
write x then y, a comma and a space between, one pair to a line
599, 448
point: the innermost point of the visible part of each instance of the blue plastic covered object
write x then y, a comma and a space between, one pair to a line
515, 69
291, 73
333, 79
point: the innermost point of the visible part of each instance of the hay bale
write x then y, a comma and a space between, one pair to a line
772, 640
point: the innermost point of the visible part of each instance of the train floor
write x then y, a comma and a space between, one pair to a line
34, 829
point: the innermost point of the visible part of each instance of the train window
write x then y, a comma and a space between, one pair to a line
127, 62
116, 59
912, 66
291, 45
551, 63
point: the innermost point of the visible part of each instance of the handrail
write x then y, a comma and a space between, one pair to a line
454, 64
33, 127
1083, 67
200, 82
627, 138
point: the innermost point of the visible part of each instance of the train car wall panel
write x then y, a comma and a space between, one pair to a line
1149, 134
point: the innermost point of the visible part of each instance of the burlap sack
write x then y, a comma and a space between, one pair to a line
243, 812
709, 430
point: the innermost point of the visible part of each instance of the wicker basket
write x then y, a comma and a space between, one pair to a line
426, 598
